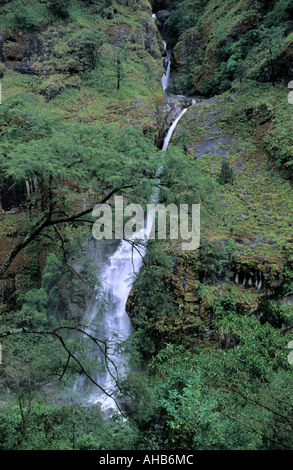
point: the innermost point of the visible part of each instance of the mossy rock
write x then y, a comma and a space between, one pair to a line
187, 47
58, 83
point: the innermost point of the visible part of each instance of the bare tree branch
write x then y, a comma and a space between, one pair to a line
98, 342
47, 221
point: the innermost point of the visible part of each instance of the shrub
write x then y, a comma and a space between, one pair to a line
226, 175
59, 8
22, 18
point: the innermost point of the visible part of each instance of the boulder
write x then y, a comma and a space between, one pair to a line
163, 15
108, 14
56, 84
187, 46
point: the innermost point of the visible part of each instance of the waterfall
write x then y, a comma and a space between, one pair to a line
172, 128
166, 76
116, 278
116, 282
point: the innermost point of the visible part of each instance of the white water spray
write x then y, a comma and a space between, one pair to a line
166, 76
117, 283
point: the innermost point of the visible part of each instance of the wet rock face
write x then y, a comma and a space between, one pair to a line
284, 63
12, 194
163, 15
37, 53
158, 5
122, 34
17, 48
81, 295
150, 41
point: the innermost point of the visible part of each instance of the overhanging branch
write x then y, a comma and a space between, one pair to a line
48, 221
55, 332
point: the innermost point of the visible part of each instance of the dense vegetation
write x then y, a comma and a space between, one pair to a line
81, 120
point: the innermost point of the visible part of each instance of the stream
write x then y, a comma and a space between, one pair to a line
116, 277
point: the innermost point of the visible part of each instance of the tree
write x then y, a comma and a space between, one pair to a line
226, 175
232, 398
289, 9
213, 258
55, 154
59, 8
240, 70
270, 46
22, 17
120, 59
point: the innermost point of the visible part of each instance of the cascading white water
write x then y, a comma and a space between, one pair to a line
116, 282
172, 128
166, 76
165, 80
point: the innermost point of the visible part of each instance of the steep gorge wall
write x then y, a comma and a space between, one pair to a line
252, 217
55, 59
213, 43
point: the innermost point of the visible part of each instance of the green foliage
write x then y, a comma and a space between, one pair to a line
36, 148
230, 246
220, 399
178, 178
59, 8
193, 416
90, 43
269, 48
22, 17
224, 305
288, 274
279, 14
263, 348
279, 141
154, 307
33, 310
276, 314
225, 399
49, 427
51, 283
111, 71
234, 55
184, 15
226, 175
213, 258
